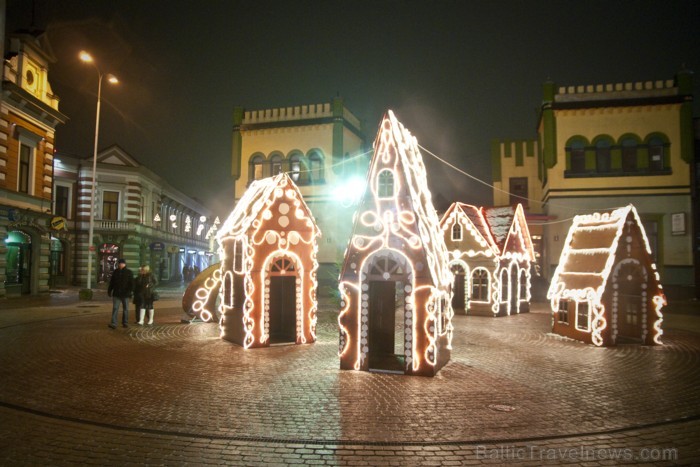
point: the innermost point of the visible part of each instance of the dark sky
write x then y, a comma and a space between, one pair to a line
457, 73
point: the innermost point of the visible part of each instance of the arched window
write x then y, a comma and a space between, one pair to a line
256, 167
629, 155
315, 168
385, 184
656, 154
276, 164
602, 156
457, 231
295, 167
578, 156
480, 285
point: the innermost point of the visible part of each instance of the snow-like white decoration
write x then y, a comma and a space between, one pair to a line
396, 220
270, 232
595, 244
496, 240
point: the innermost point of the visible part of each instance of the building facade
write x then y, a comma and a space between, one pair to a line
322, 148
29, 116
604, 146
138, 217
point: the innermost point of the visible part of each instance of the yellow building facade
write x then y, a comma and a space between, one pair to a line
604, 146
321, 147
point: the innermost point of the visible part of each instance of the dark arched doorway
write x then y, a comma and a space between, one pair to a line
18, 263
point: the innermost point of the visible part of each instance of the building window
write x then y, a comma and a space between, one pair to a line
578, 157
602, 156
25, 163
480, 285
651, 228
457, 231
315, 168
256, 168
629, 155
563, 312
385, 184
518, 191
110, 205
295, 167
276, 165
61, 201
656, 155
583, 322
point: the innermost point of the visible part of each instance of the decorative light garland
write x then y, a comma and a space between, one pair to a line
396, 221
596, 281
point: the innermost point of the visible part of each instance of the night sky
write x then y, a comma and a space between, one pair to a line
457, 73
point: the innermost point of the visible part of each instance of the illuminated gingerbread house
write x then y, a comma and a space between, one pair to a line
395, 283
268, 247
606, 289
490, 256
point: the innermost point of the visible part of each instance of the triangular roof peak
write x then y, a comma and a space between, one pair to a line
414, 220
115, 155
475, 217
259, 195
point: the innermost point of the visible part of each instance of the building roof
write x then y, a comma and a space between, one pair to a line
475, 216
393, 139
259, 195
590, 252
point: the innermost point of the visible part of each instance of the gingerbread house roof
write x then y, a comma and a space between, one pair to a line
590, 251
259, 195
518, 239
475, 216
392, 135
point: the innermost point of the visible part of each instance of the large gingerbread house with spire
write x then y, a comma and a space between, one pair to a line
490, 256
606, 289
395, 283
268, 247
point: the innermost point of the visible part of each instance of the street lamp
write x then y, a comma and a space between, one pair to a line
87, 58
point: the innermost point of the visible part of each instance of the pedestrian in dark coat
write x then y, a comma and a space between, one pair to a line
121, 286
145, 293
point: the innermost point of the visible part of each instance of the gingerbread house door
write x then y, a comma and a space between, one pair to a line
629, 276
458, 296
282, 301
386, 278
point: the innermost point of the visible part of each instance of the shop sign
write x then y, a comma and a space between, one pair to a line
157, 246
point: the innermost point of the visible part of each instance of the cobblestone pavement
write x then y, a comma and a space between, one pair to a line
73, 391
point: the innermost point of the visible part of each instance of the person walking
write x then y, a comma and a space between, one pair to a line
137, 300
120, 288
145, 290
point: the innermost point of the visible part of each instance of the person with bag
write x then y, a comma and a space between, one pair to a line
120, 288
146, 293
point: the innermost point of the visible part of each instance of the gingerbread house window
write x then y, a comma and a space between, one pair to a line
583, 316
480, 285
456, 232
385, 184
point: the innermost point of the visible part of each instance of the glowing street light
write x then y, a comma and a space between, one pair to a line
87, 58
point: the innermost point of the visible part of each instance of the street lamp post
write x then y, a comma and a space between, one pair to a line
86, 57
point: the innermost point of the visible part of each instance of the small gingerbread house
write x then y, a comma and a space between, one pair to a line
268, 247
395, 283
606, 289
490, 257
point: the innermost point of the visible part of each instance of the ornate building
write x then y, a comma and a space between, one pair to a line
138, 216
29, 116
604, 146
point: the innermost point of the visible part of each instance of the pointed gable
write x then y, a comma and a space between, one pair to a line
476, 226
114, 155
518, 241
405, 218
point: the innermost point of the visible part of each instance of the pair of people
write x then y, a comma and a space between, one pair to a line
122, 286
